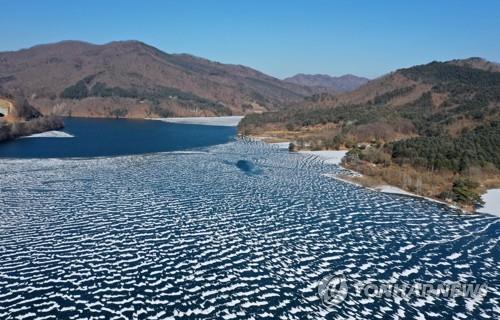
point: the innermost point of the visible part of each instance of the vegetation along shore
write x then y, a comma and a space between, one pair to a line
433, 130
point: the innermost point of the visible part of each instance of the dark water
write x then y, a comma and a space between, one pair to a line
109, 137
240, 230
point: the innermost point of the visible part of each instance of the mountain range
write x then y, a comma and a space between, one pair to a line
133, 79
435, 98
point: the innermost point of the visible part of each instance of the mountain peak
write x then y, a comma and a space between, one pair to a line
344, 83
476, 63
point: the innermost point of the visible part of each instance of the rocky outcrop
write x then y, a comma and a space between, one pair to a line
24, 120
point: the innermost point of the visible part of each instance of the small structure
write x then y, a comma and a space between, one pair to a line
5, 106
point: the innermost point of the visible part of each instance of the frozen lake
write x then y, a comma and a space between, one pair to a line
234, 230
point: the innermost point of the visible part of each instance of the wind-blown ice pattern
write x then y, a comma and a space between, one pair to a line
190, 235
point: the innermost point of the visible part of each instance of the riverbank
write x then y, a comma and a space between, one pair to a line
17, 129
335, 157
491, 197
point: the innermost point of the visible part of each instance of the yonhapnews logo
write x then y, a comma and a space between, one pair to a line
334, 289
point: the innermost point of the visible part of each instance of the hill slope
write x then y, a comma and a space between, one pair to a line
133, 79
439, 97
326, 83
420, 128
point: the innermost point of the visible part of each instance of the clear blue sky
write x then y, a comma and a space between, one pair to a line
281, 38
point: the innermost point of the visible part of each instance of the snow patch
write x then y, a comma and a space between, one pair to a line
281, 145
454, 256
491, 202
328, 156
394, 190
51, 134
228, 121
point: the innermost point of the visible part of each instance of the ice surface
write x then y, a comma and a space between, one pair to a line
191, 235
50, 134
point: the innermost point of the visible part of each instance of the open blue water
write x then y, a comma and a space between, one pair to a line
113, 137
237, 230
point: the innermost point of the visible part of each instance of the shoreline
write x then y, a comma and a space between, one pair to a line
29, 128
225, 121
492, 204
49, 134
335, 157
389, 189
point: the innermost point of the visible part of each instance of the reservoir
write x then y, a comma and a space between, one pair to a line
113, 137
144, 219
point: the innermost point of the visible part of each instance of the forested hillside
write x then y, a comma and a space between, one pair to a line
441, 117
132, 79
